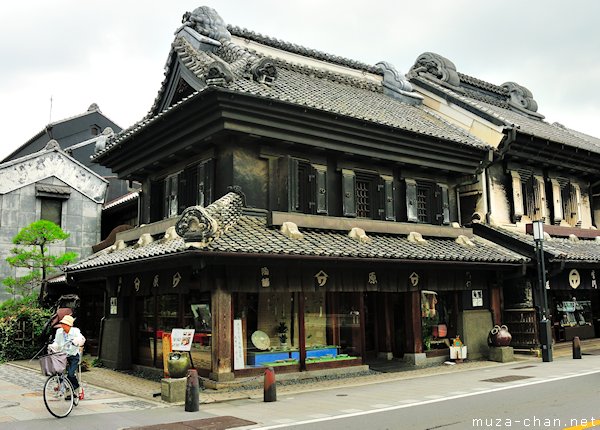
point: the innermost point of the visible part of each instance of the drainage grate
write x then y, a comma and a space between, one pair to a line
508, 378
523, 367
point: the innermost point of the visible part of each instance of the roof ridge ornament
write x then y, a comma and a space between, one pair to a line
436, 65
198, 226
206, 21
522, 99
396, 85
51, 145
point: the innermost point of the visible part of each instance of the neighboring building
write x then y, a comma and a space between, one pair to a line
78, 136
540, 171
49, 184
344, 231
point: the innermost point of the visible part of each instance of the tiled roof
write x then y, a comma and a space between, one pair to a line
250, 234
132, 195
559, 248
301, 50
490, 101
349, 94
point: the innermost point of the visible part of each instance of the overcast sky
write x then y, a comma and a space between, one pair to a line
113, 52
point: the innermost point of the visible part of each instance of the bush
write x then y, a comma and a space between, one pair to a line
12, 314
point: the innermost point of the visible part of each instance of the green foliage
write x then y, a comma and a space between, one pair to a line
32, 253
96, 362
14, 344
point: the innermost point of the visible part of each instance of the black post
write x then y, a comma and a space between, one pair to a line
192, 391
576, 348
544, 332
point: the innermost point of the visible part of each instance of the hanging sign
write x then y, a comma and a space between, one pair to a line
574, 278
182, 338
477, 298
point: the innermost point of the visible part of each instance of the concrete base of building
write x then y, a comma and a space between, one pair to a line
502, 354
386, 355
172, 390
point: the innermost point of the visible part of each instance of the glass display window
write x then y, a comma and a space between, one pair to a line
265, 329
332, 324
198, 315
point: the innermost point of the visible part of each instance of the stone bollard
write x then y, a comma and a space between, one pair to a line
192, 391
270, 386
576, 347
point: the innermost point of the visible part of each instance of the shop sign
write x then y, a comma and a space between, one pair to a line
414, 279
265, 282
136, 284
113, 305
238, 345
574, 278
477, 298
321, 278
468, 282
372, 278
594, 285
176, 279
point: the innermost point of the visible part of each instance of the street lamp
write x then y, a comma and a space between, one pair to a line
545, 333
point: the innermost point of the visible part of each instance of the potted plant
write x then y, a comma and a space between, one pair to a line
282, 330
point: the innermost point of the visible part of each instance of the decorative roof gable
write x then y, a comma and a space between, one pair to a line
52, 162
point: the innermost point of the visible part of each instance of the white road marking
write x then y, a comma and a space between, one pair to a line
349, 413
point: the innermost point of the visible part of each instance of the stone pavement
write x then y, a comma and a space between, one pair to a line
108, 391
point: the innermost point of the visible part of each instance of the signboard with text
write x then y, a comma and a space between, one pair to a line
182, 338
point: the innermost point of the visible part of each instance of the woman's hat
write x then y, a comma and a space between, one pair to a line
68, 320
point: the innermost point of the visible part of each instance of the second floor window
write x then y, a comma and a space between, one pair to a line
192, 186
427, 202
367, 195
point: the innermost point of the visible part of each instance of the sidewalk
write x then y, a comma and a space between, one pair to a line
251, 388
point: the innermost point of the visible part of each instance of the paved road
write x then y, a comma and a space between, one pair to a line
564, 389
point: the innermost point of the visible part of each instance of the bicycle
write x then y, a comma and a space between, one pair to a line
59, 394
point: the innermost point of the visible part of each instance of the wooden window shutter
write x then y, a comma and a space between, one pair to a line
287, 180
575, 205
204, 193
157, 199
386, 192
320, 189
171, 206
443, 204
411, 200
349, 193
539, 194
557, 206
518, 209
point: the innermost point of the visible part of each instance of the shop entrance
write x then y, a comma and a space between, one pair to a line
385, 331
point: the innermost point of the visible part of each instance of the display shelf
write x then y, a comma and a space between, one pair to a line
522, 325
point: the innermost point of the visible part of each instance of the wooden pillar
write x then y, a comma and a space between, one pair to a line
412, 309
496, 305
301, 330
384, 325
222, 331
361, 329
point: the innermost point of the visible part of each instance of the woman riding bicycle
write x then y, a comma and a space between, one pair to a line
68, 339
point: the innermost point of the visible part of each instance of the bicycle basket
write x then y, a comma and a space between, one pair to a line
52, 364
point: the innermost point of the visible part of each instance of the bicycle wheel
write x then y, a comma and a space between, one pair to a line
58, 396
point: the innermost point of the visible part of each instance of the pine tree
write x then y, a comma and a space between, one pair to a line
32, 253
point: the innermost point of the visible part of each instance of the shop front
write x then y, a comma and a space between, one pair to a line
574, 303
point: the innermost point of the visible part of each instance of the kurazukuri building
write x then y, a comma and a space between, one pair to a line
300, 211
